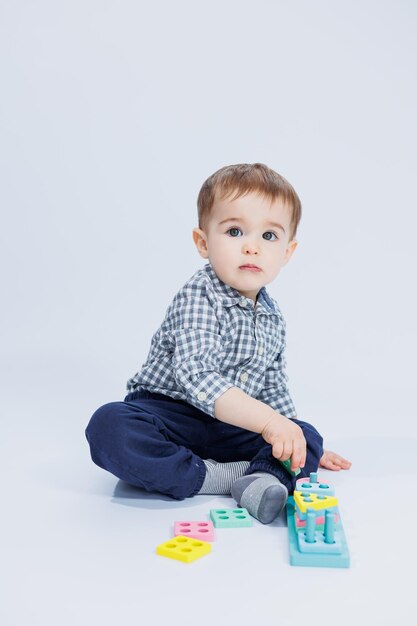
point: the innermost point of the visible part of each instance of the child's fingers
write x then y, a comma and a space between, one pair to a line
287, 451
345, 464
298, 457
335, 465
340, 461
333, 461
344, 461
328, 464
277, 449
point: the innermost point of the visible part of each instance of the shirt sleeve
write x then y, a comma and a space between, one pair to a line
275, 391
197, 352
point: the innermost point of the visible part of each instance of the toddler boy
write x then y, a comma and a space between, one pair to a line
210, 412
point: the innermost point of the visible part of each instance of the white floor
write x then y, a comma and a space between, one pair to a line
79, 546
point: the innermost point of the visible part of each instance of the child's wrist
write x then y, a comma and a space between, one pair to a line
269, 430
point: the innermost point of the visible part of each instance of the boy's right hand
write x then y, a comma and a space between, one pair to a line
237, 408
287, 440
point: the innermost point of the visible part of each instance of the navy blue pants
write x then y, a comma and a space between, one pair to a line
157, 443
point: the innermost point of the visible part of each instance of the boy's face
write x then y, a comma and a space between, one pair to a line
247, 241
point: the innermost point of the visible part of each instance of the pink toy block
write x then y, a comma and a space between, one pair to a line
196, 530
300, 523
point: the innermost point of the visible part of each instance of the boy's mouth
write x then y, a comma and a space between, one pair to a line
250, 267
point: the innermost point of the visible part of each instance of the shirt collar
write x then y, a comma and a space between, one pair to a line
267, 303
230, 296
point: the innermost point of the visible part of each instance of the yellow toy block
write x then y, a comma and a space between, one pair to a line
314, 501
184, 549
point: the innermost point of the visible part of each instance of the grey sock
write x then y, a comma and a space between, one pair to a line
221, 476
262, 494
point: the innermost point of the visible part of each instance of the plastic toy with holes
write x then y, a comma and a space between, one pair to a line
183, 549
312, 485
230, 518
305, 501
196, 530
321, 541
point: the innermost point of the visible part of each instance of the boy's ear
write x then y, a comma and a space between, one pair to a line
200, 241
290, 250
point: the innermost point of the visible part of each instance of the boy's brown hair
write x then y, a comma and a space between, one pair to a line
238, 180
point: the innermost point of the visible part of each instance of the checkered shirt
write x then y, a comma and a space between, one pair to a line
213, 338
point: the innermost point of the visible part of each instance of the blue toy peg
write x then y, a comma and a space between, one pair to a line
310, 526
313, 477
329, 527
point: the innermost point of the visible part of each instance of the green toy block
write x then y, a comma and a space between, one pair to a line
230, 518
287, 465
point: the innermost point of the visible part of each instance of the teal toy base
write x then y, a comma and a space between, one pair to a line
230, 518
310, 559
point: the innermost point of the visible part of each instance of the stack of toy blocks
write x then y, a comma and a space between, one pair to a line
315, 530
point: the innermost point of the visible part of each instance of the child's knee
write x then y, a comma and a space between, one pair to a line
103, 424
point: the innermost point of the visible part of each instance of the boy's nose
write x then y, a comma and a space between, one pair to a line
250, 247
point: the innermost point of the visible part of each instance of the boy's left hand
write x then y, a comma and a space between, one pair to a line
332, 461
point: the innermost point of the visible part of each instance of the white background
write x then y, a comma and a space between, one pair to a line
112, 116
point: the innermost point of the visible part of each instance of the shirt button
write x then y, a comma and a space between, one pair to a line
260, 351
244, 377
202, 396
243, 302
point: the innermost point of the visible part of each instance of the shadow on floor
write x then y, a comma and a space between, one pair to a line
128, 495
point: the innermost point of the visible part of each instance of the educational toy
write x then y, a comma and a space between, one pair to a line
197, 530
315, 531
301, 523
313, 501
304, 485
183, 549
230, 518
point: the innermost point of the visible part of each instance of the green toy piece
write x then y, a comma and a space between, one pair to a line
287, 465
230, 518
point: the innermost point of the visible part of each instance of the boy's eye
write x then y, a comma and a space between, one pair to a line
269, 236
234, 232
